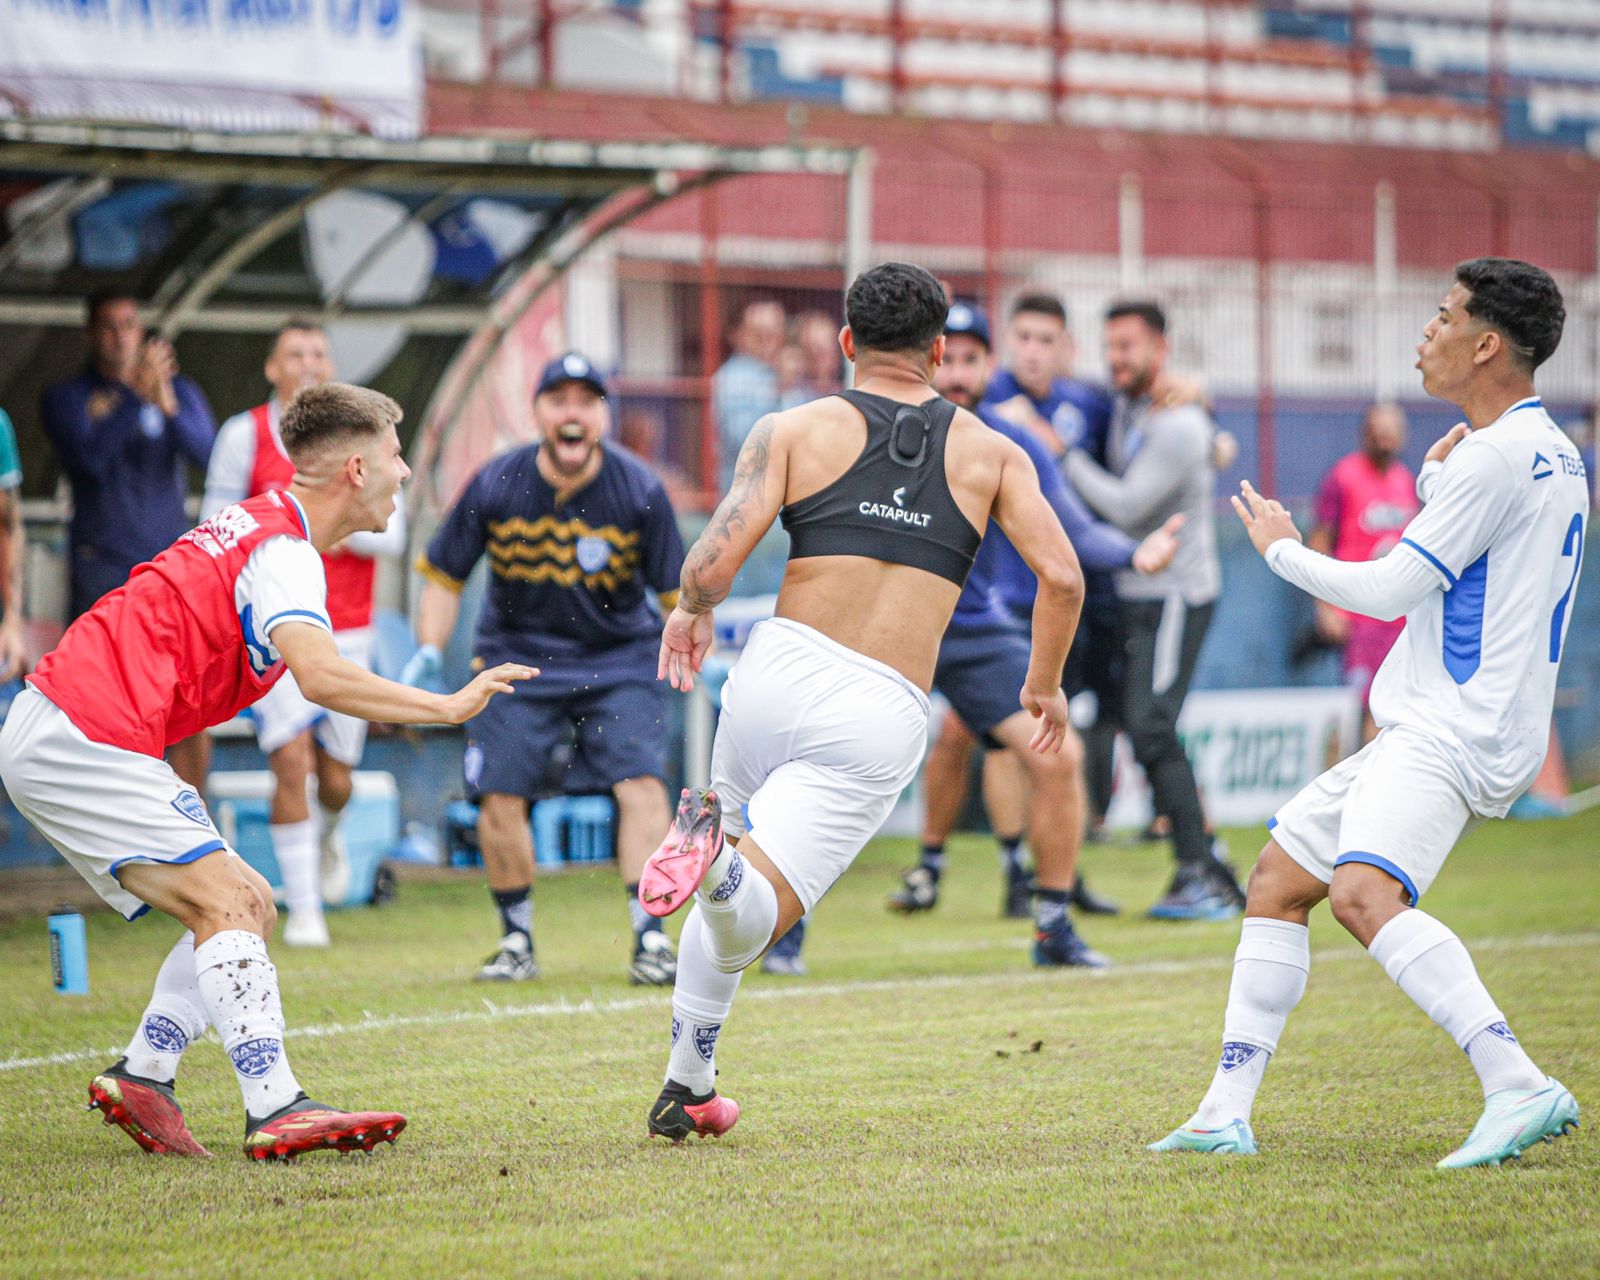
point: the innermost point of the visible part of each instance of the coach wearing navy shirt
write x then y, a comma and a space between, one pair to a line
578, 532
123, 429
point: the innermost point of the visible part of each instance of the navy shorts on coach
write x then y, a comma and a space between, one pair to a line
619, 732
981, 672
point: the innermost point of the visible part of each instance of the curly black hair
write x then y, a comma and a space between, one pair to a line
896, 307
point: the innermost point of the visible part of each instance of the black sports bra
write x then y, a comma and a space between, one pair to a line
894, 503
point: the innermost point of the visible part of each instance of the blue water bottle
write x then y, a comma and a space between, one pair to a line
69, 953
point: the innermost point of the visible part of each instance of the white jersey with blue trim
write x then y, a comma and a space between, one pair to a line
1475, 668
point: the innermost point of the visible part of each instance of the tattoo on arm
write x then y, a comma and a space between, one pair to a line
733, 516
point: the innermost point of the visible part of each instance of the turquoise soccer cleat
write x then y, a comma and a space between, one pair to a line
1234, 1139
1512, 1121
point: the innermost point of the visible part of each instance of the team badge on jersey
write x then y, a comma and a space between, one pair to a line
593, 554
191, 806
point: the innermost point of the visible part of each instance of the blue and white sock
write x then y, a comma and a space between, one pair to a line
739, 911
239, 986
1269, 977
701, 999
174, 1018
1427, 961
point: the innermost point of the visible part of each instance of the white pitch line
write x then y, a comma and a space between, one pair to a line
816, 991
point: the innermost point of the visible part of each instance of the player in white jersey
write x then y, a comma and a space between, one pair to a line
1485, 577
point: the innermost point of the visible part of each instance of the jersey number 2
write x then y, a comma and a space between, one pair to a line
1572, 546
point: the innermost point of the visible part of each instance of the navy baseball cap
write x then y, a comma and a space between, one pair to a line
966, 318
572, 367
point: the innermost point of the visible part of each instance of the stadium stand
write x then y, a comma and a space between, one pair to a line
1461, 74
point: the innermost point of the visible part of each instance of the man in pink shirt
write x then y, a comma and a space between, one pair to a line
1367, 498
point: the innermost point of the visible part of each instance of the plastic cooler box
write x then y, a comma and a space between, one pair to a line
371, 826
566, 829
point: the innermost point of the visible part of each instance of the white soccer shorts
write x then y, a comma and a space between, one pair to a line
813, 748
1397, 804
283, 714
101, 806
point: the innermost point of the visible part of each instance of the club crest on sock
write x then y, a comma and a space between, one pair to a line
730, 882
677, 1029
163, 1034
1235, 1054
705, 1040
1504, 1032
254, 1058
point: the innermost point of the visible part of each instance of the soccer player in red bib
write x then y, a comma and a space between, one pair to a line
298, 736
194, 636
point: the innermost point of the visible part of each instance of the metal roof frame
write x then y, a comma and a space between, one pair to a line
583, 174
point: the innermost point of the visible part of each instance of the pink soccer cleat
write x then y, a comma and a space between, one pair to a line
676, 869
677, 1113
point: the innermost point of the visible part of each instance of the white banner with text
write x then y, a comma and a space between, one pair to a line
243, 65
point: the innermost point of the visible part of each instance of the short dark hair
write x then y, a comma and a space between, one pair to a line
334, 412
1149, 312
1039, 303
100, 299
298, 324
895, 307
1520, 302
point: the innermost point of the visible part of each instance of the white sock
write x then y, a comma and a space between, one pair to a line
1427, 961
174, 1017
739, 911
701, 999
1501, 1062
239, 985
1269, 977
294, 844
330, 822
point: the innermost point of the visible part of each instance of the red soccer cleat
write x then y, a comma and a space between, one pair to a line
677, 1113
676, 869
305, 1125
146, 1110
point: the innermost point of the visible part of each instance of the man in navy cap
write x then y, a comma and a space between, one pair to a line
578, 531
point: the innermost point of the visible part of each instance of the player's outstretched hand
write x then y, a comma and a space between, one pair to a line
685, 642
1265, 519
1448, 441
1155, 553
1050, 710
472, 698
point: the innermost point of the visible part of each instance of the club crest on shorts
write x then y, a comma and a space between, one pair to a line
191, 806
593, 554
163, 1034
254, 1058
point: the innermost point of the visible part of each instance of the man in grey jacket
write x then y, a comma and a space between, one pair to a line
1158, 464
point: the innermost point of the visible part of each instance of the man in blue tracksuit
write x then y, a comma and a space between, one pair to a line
983, 642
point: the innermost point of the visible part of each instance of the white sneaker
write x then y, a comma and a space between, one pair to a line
306, 929
335, 867
514, 961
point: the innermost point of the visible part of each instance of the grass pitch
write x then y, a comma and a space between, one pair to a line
923, 1104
